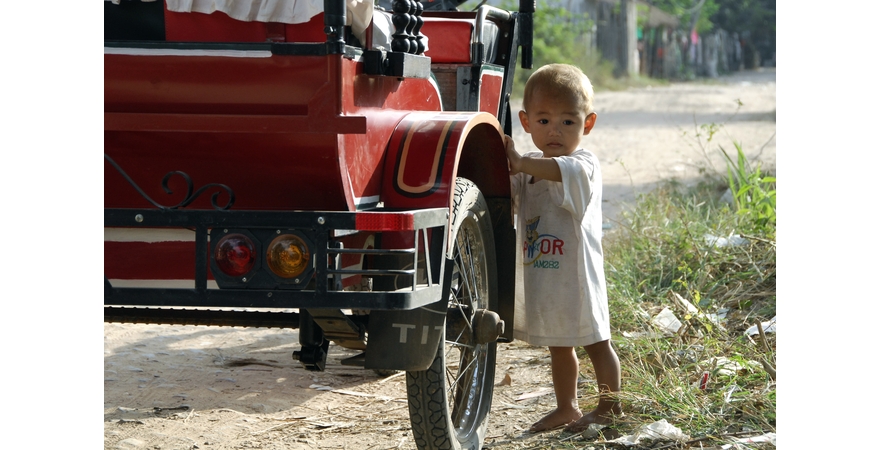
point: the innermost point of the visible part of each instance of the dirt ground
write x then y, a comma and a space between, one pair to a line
189, 387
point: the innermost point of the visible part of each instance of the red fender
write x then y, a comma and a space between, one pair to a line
428, 150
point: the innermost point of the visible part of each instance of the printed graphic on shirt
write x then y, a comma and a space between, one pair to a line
538, 249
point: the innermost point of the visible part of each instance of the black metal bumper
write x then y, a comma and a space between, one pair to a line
323, 293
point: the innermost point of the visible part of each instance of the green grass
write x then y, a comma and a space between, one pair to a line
659, 254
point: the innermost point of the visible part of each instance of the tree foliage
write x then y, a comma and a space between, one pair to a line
561, 36
753, 16
691, 13
756, 16
753, 20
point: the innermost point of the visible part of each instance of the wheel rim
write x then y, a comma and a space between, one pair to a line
466, 361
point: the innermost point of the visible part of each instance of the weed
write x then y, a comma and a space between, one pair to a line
754, 194
662, 256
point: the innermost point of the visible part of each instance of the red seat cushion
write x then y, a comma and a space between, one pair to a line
449, 40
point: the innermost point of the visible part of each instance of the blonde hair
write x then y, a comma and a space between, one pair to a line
560, 80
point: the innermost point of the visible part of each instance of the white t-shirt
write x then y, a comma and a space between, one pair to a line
562, 300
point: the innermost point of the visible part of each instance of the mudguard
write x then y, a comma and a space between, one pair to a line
409, 338
428, 150
426, 153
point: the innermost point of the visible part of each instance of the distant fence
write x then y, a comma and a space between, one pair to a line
660, 49
667, 53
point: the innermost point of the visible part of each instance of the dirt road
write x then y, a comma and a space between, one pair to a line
176, 387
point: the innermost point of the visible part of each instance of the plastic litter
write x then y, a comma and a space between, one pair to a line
720, 241
643, 334
764, 438
768, 326
660, 430
727, 366
667, 321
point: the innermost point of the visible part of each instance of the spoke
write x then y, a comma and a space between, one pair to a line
460, 345
475, 294
451, 379
456, 279
467, 272
462, 393
465, 276
465, 371
470, 364
454, 382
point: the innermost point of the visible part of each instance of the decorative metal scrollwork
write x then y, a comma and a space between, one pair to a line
190, 195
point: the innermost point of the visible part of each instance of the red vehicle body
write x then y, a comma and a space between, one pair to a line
273, 174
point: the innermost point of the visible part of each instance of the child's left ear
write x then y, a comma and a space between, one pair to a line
589, 122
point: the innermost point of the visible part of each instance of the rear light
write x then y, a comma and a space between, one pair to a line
288, 256
235, 254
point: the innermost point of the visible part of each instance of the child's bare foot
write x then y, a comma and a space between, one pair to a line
592, 417
555, 419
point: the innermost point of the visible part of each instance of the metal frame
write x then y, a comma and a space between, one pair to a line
321, 295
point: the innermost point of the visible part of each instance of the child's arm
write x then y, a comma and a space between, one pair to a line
540, 168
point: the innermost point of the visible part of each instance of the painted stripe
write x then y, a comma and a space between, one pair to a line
149, 235
436, 86
435, 164
187, 52
371, 200
170, 284
187, 284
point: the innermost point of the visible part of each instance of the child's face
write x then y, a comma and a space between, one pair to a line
556, 123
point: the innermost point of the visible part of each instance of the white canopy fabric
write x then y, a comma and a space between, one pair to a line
359, 14
284, 11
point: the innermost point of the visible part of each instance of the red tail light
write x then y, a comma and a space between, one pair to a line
235, 254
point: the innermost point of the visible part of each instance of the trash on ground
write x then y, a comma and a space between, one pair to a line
320, 387
727, 366
764, 438
592, 431
642, 334
660, 430
682, 302
667, 321
704, 381
534, 394
720, 241
768, 326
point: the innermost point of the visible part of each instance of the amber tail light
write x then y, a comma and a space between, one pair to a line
288, 256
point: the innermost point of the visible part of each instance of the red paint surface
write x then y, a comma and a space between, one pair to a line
150, 260
490, 91
172, 113
218, 27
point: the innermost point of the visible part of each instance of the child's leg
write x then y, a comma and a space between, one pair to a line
607, 368
564, 367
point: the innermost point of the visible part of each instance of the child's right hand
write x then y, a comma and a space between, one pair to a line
513, 157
